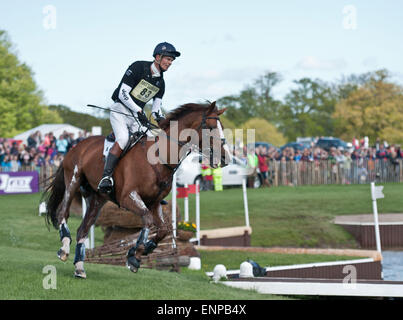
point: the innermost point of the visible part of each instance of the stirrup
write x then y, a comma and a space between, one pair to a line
108, 187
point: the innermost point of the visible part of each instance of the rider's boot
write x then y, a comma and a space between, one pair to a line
106, 183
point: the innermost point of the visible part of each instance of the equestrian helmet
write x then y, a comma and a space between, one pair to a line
166, 49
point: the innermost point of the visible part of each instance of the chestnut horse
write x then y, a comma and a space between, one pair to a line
140, 184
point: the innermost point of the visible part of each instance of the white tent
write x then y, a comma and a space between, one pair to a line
56, 129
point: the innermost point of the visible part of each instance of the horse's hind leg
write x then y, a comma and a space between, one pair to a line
63, 213
94, 204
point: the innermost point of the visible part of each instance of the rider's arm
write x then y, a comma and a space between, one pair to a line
156, 108
130, 78
124, 96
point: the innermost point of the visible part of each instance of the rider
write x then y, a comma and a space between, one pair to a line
142, 81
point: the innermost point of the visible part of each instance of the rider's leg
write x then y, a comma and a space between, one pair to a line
112, 159
119, 124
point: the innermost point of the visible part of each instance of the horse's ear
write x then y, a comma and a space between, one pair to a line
211, 108
220, 112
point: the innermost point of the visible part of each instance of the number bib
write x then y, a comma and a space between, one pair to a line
144, 91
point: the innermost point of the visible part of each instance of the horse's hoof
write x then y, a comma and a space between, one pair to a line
80, 273
63, 255
133, 264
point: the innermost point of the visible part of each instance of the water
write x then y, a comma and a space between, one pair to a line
392, 265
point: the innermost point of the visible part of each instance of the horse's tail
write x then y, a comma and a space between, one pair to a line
53, 195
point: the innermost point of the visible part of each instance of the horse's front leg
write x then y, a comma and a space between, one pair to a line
135, 204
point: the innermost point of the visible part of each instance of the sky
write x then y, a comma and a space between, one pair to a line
79, 50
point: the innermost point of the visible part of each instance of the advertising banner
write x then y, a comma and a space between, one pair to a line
19, 182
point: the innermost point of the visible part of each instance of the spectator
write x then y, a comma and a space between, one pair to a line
253, 162
14, 163
32, 142
61, 145
382, 152
306, 155
5, 163
263, 167
14, 149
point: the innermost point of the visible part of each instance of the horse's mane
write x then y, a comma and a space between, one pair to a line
182, 111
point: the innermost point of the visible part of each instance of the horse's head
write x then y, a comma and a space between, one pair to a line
211, 136
199, 124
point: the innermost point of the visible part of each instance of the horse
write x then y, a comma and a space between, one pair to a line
140, 184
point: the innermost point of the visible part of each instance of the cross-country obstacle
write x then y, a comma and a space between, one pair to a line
121, 230
362, 276
359, 277
230, 236
165, 257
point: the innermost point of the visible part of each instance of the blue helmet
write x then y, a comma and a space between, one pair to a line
166, 49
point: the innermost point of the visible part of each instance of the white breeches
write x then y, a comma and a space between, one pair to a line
122, 124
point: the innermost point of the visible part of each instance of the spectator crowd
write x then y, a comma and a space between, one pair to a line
360, 154
37, 152
48, 150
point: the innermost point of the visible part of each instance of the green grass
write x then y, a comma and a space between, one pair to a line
294, 216
26, 247
281, 216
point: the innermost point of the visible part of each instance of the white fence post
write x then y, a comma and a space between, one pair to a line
245, 202
197, 211
186, 205
376, 193
174, 204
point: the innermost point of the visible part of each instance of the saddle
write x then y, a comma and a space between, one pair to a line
134, 137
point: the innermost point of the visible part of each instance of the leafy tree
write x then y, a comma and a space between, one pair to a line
21, 103
264, 131
82, 120
374, 109
254, 101
308, 109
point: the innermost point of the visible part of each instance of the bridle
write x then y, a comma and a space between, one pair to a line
192, 147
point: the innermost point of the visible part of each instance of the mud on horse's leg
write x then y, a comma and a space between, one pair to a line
143, 246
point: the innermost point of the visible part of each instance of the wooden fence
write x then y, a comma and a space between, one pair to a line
283, 173
330, 172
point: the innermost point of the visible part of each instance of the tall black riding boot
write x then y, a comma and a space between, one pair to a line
106, 183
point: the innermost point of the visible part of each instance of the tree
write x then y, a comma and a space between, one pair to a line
308, 109
254, 101
82, 120
21, 103
264, 131
374, 109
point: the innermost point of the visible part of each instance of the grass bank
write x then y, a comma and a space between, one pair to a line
281, 216
294, 216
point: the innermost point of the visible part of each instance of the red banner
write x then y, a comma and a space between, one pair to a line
192, 189
181, 192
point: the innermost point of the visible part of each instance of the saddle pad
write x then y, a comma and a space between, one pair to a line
110, 140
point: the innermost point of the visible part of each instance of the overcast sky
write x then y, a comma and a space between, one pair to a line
79, 50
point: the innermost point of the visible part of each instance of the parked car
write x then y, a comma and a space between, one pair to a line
190, 171
263, 144
327, 143
296, 146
